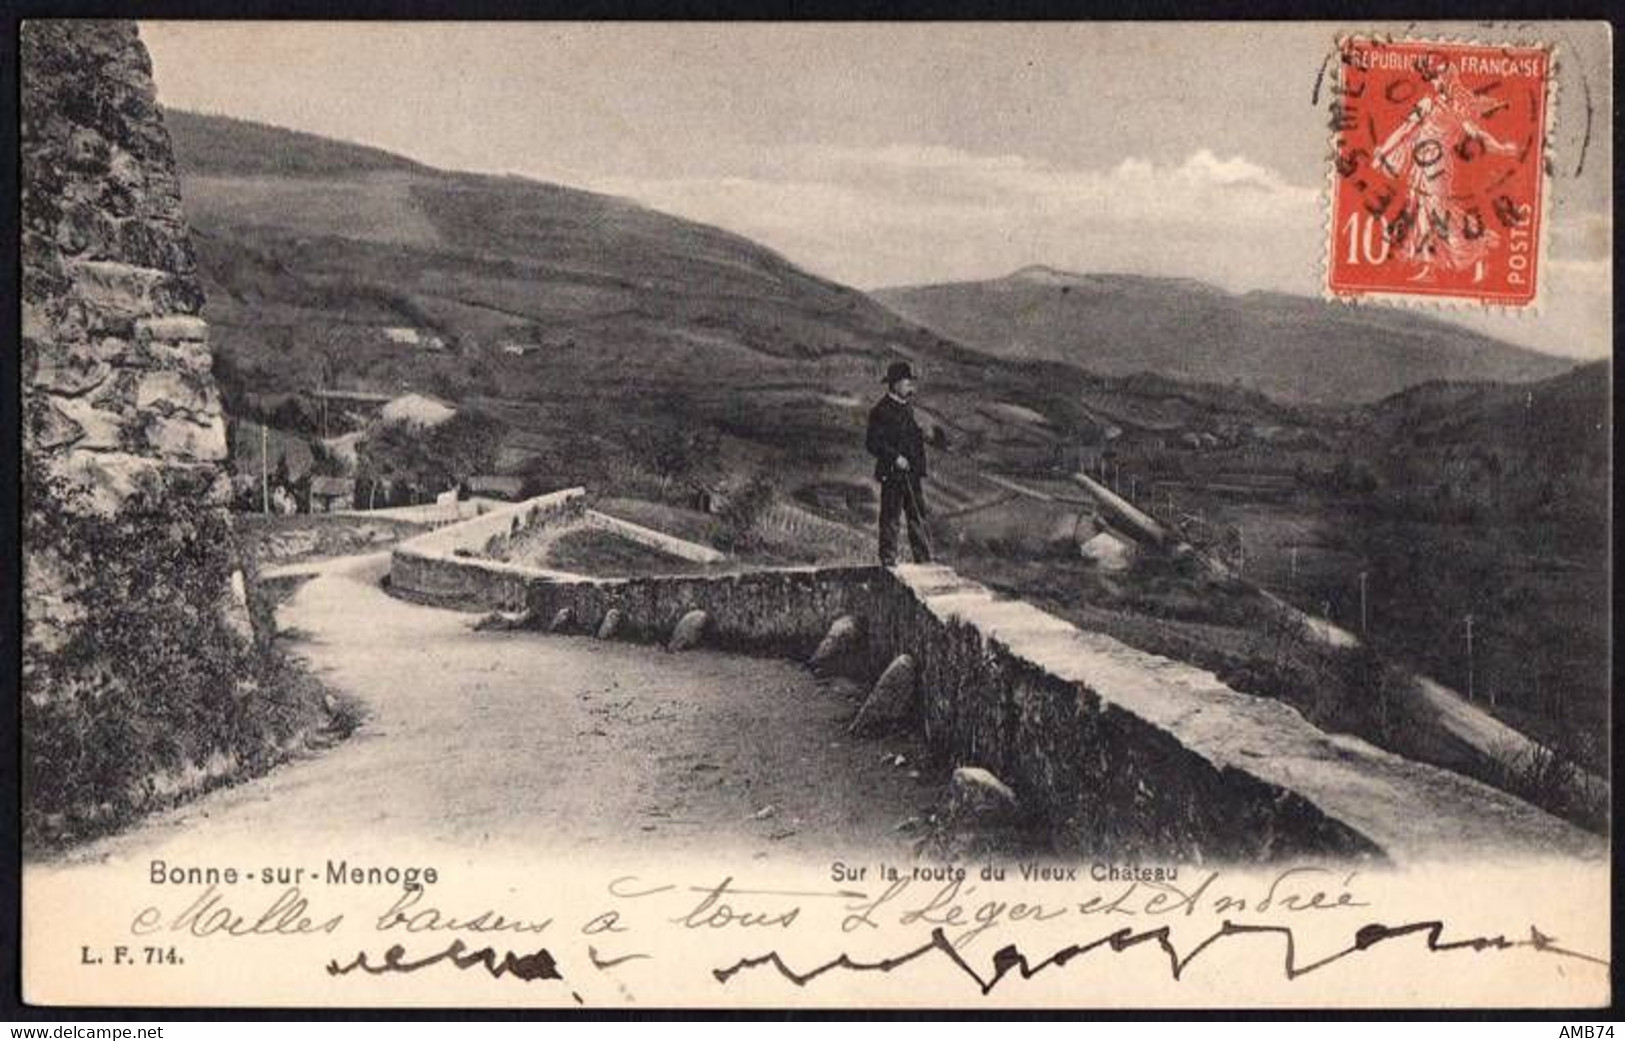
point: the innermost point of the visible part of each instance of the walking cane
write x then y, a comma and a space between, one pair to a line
925, 535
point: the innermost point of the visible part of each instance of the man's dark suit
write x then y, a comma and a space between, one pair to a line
894, 432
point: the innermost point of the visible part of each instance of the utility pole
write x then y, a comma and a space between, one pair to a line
1364, 617
1469, 621
265, 476
1294, 565
1133, 488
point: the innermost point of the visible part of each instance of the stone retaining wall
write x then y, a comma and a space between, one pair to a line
451, 565
1102, 778
1120, 753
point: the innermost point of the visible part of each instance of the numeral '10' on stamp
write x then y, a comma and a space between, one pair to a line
1438, 170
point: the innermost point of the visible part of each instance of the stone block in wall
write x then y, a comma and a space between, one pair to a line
48, 428
125, 172
39, 325
195, 438
97, 428
119, 293
45, 288
177, 343
87, 231
151, 244
176, 328
166, 391
71, 373
109, 478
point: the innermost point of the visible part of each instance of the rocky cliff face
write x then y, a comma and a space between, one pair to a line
142, 676
119, 403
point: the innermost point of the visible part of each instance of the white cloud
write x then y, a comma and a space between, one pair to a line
940, 209
906, 213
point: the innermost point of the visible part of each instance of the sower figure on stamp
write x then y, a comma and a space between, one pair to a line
898, 445
1426, 150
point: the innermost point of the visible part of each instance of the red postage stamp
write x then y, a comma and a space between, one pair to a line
1438, 170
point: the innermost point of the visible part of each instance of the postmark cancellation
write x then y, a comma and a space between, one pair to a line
1437, 181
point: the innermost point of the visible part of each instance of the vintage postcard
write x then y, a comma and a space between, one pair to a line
750, 516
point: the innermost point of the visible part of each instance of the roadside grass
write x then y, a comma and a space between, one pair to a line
1553, 777
593, 551
768, 529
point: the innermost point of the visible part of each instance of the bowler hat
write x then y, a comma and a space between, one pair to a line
898, 370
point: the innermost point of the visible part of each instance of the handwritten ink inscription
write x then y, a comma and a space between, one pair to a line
981, 928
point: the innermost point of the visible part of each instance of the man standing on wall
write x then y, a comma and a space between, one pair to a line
898, 445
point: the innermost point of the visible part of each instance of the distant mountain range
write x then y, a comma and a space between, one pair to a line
1295, 349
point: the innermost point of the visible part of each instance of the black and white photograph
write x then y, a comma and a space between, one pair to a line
816, 515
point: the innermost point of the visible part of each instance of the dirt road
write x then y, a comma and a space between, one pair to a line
559, 743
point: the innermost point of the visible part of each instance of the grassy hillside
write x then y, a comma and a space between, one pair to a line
1512, 453
221, 146
1292, 348
638, 328
1493, 501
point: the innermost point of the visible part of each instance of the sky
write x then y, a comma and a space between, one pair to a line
882, 155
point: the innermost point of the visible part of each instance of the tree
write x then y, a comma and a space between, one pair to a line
675, 450
463, 446
747, 506
395, 453
436, 458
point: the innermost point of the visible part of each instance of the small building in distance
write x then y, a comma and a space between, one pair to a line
1108, 550
409, 336
416, 410
712, 499
517, 348
329, 494
494, 486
